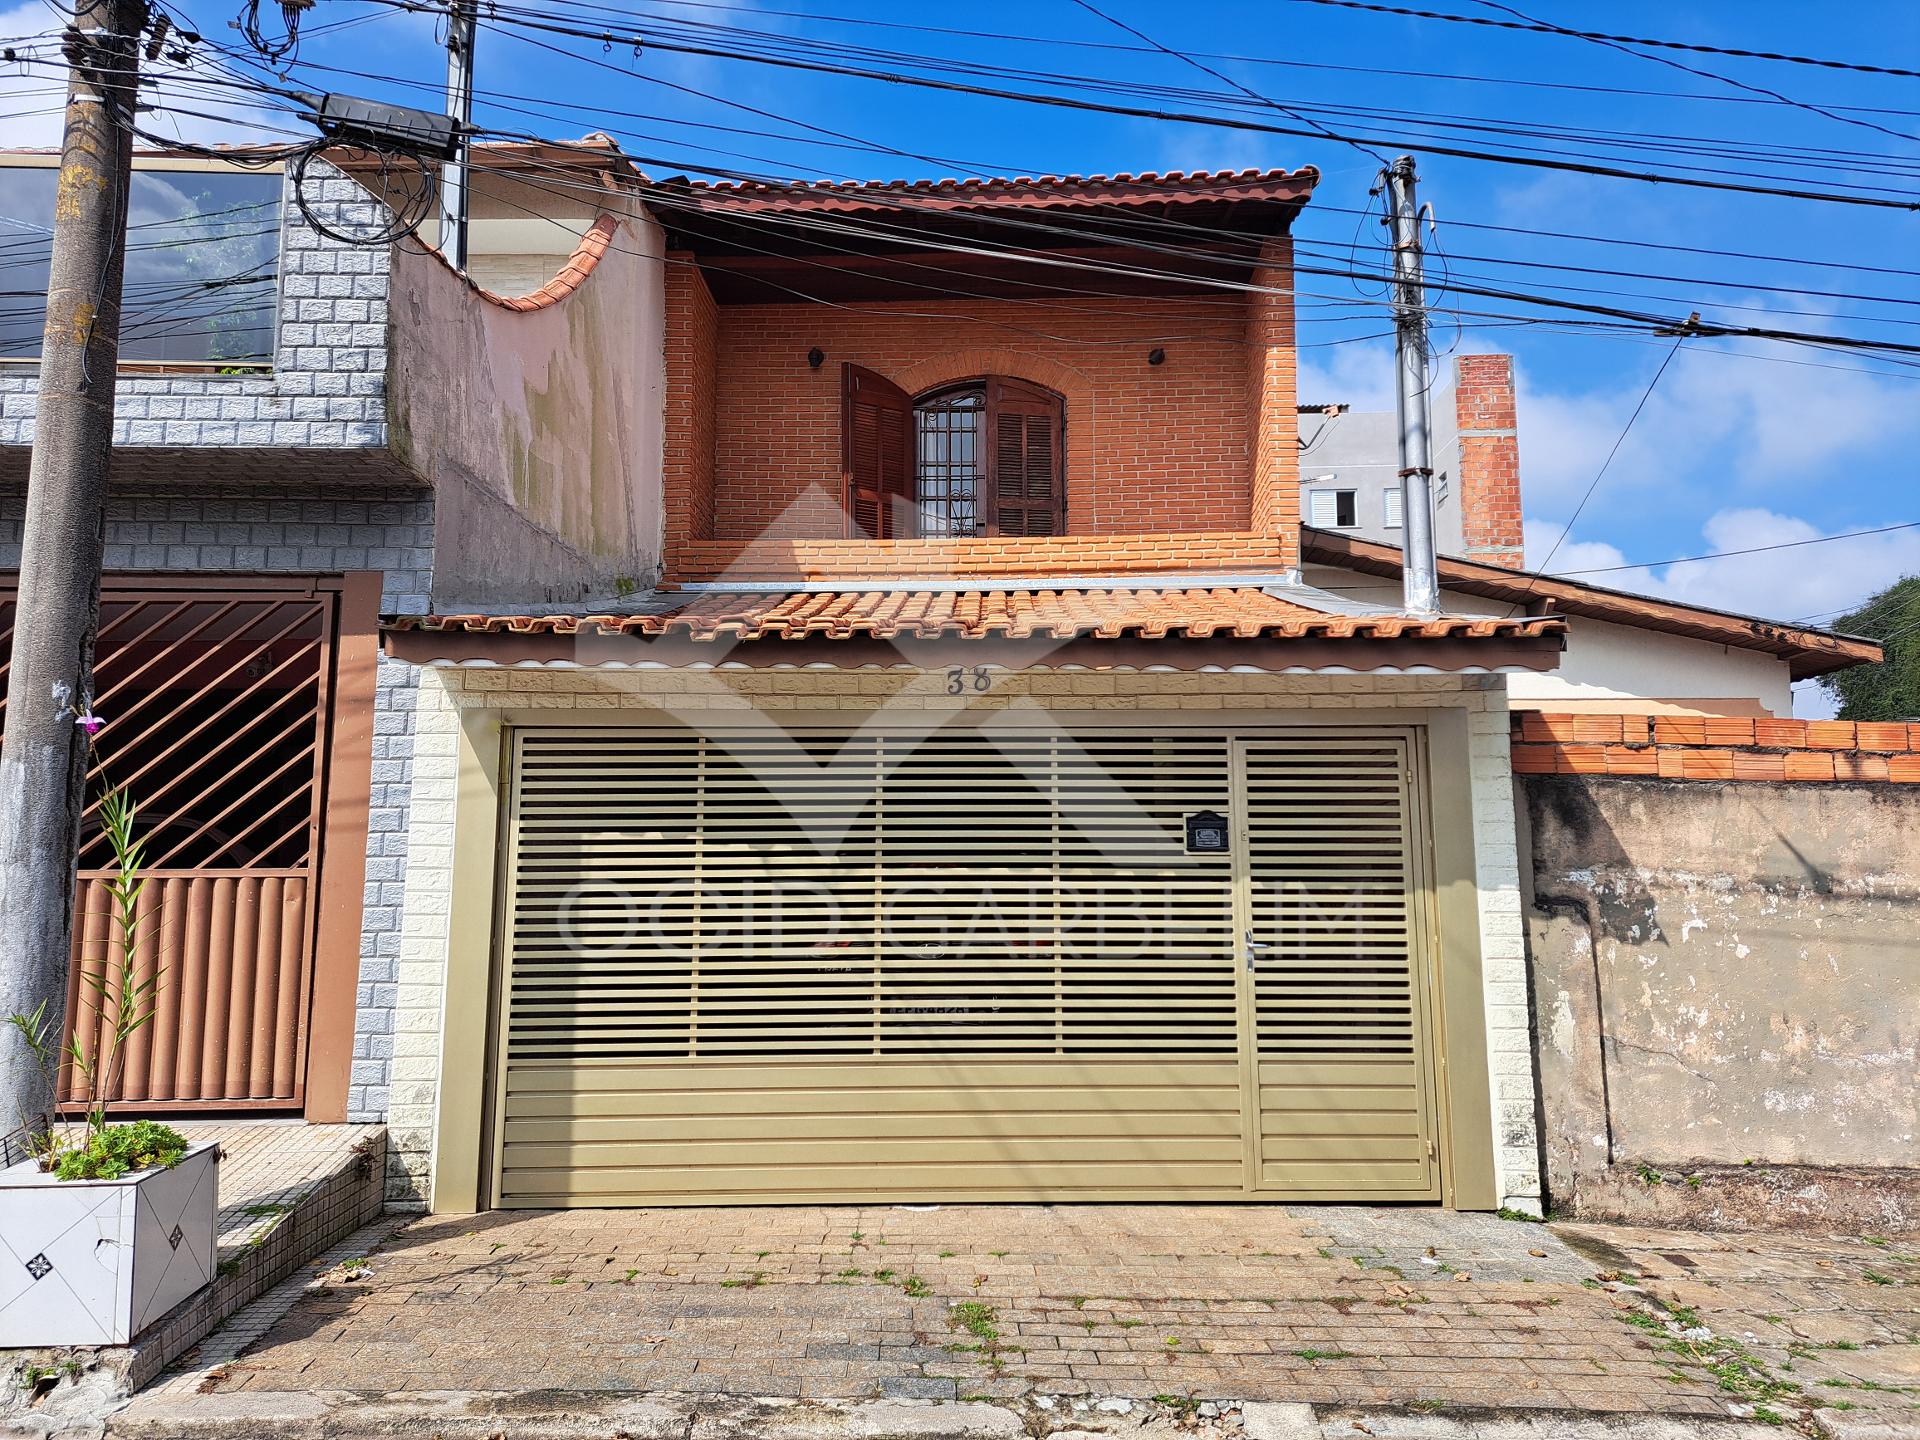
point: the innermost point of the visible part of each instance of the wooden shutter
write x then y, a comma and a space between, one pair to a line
876, 439
1026, 484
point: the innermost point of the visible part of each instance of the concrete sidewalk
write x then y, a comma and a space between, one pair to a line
1045, 1314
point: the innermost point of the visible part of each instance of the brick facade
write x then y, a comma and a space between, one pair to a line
1273, 390
1489, 464
311, 533
1713, 747
692, 330
1014, 557
1149, 448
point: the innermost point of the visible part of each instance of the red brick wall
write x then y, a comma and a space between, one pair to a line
1273, 384
1489, 469
692, 328
1715, 747
988, 558
1149, 448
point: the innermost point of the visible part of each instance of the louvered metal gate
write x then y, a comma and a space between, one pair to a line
826, 966
217, 706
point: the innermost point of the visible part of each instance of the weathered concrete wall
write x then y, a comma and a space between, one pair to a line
1723, 974
539, 429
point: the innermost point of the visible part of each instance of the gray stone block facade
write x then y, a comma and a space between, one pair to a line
327, 389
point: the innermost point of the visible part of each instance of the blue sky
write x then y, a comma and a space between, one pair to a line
1737, 447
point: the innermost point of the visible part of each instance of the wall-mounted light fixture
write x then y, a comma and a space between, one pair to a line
1156, 356
816, 357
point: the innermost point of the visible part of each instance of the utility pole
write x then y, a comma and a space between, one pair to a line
1420, 582
43, 765
462, 22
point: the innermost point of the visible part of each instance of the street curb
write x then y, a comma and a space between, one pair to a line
550, 1415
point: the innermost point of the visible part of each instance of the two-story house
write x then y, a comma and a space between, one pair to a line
982, 806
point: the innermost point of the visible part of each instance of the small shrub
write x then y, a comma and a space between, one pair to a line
121, 1149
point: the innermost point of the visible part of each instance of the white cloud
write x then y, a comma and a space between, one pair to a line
1813, 583
1359, 375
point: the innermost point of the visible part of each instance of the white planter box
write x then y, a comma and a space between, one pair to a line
94, 1262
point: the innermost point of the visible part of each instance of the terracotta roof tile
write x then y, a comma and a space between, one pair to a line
1243, 613
1146, 188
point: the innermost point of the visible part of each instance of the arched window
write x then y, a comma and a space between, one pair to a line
981, 457
988, 460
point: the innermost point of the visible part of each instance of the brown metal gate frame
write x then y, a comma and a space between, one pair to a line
261, 925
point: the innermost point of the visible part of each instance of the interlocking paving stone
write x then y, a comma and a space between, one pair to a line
1254, 1302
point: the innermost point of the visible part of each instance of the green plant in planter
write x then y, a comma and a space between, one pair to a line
116, 1003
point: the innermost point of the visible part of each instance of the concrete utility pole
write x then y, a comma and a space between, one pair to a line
1421, 583
44, 762
454, 196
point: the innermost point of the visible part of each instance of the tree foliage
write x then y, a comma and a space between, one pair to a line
1889, 690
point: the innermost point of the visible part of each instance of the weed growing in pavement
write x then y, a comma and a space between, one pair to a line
852, 1273
1879, 1240
630, 1275
1522, 1216
1874, 1277
1738, 1372
1432, 1405
916, 1287
885, 1277
946, 1254
1648, 1175
1310, 1355
747, 1282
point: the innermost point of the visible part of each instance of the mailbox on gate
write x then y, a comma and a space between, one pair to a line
1206, 833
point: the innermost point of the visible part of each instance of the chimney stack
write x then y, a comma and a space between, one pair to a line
1488, 473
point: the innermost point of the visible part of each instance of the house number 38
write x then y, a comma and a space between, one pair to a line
960, 679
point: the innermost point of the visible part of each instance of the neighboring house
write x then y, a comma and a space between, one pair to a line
1625, 652
1350, 467
340, 432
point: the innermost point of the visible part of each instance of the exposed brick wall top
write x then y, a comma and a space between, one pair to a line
1489, 466
1714, 747
1149, 448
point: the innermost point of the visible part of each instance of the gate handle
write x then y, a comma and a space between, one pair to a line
1254, 947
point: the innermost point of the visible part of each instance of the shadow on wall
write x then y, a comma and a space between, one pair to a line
1723, 974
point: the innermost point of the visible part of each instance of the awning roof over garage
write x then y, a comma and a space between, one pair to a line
774, 625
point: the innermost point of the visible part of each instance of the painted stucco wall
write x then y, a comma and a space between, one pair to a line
435, 816
1611, 668
1723, 973
539, 430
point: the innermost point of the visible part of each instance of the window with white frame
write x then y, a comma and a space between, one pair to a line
1333, 509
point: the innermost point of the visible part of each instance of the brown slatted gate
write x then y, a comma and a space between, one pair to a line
217, 708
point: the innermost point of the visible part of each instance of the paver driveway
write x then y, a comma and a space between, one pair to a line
1333, 1305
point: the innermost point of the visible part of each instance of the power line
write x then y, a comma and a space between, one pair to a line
625, 16
1544, 29
1702, 74
1749, 550
1541, 162
1207, 69
1607, 464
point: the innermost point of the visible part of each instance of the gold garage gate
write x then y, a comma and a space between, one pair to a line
834, 967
